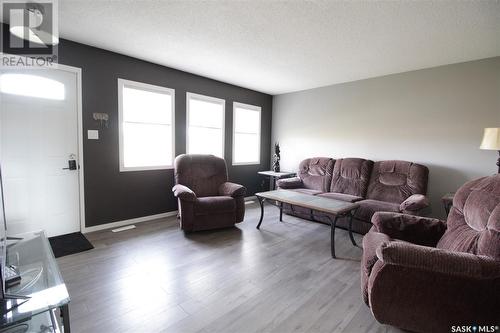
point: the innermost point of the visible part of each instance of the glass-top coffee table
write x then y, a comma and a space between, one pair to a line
329, 207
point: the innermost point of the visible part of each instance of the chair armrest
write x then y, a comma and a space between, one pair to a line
414, 203
232, 190
184, 193
438, 260
414, 229
371, 242
294, 182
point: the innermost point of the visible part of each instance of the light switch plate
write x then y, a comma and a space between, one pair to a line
93, 134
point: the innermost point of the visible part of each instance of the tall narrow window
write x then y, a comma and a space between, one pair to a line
146, 116
205, 125
246, 134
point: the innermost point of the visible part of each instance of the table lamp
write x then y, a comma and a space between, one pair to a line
491, 141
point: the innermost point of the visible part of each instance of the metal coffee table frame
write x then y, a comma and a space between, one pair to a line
333, 222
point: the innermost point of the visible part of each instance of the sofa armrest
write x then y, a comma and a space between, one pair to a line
232, 190
184, 193
294, 182
458, 264
414, 229
414, 203
371, 242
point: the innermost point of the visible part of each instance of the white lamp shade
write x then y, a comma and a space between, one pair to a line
491, 139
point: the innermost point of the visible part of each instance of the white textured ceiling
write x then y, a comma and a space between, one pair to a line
283, 46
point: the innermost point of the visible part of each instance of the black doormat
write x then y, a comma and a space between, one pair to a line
68, 244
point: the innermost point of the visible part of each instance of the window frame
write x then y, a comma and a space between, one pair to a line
209, 99
122, 83
254, 108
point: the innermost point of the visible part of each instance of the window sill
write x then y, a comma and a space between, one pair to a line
129, 169
246, 163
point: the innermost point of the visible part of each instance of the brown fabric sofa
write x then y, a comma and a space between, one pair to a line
314, 177
394, 186
425, 275
206, 199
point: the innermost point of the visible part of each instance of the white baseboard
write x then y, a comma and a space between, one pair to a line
117, 224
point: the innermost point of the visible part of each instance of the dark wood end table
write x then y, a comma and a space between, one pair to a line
447, 200
273, 176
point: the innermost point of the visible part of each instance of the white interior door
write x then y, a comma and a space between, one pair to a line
39, 135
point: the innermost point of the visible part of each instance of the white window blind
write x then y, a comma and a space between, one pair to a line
205, 125
246, 134
146, 115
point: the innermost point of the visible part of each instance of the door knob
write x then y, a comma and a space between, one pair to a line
71, 165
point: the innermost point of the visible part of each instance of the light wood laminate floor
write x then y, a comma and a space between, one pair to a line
280, 278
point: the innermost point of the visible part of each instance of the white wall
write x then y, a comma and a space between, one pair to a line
433, 116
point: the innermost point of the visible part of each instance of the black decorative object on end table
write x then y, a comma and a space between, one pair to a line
276, 157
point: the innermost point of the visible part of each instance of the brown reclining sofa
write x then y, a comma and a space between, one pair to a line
390, 186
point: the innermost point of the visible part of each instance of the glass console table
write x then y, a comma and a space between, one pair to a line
41, 285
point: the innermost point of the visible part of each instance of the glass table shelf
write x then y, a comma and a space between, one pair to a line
41, 282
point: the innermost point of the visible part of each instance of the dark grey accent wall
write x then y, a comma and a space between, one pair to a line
111, 195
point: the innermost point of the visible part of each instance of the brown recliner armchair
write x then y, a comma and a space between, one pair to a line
206, 199
427, 275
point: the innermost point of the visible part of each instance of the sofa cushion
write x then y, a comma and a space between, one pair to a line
214, 205
369, 207
394, 181
305, 191
340, 196
316, 173
350, 176
473, 224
